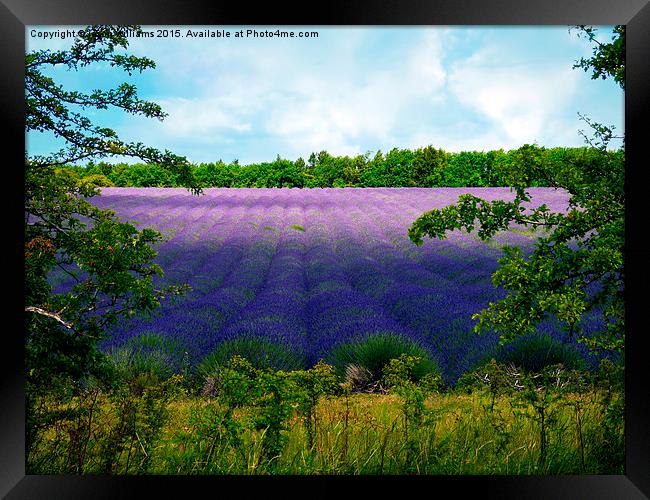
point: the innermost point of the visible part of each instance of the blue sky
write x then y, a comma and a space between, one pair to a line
352, 90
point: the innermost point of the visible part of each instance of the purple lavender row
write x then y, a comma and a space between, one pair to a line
426, 302
277, 311
257, 311
193, 321
318, 267
338, 312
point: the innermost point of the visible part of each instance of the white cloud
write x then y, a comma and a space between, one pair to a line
519, 99
425, 69
462, 139
302, 96
201, 117
338, 110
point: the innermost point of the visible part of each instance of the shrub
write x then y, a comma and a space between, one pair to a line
260, 352
534, 351
398, 375
97, 180
373, 352
148, 356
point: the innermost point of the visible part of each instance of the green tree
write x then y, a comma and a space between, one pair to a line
577, 268
284, 173
374, 173
429, 166
110, 264
216, 174
325, 169
467, 168
608, 59
353, 169
300, 165
398, 165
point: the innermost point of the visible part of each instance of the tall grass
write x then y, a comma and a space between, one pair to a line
352, 433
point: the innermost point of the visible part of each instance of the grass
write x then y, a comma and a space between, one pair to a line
356, 434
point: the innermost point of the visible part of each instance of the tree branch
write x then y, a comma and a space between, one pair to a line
49, 314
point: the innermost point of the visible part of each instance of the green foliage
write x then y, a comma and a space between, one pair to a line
279, 173
300, 422
273, 396
216, 174
430, 168
148, 359
374, 352
51, 108
539, 396
578, 268
397, 376
467, 169
324, 169
86, 178
400, 372
423, 167
608, 59
610, 452
260, 352
141, 416
143, 175
273, 409
310, 386
392, 170
111, 264
533, 352
98, 180
212, 434
496, 378
99, 432
537, 391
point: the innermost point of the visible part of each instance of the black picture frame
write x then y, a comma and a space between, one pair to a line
635, 14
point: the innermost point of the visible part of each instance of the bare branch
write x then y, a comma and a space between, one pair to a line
49, 314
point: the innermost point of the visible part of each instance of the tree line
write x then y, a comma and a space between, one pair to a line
423, 167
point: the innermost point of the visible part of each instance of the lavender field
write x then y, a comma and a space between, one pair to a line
309, 269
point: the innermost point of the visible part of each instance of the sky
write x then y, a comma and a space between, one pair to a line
349, 90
